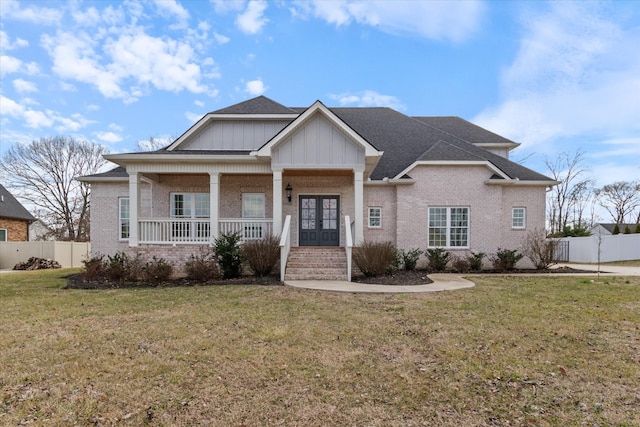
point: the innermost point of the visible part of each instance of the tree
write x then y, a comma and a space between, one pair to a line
570, 197
154, 144
43, 173
620, 199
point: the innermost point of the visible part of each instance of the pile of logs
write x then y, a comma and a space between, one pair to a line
34, 263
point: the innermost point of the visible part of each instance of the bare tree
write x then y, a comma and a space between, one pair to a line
44, 172
154, 144
568, 199
620, 199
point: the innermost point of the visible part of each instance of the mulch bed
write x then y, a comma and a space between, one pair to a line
399, 277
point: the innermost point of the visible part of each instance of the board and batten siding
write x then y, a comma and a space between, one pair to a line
234, 135
318, 143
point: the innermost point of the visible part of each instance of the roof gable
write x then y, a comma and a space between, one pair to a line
10, 207
258, 105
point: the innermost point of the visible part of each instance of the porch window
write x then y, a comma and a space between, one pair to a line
448, 227
190, 206
123, 215
375, 217
518, 218
253, 207
3, 234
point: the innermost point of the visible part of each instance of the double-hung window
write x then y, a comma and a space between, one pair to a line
253, 207
375, 217
519, 218
192, 206
123, 218
449, 227
3, 234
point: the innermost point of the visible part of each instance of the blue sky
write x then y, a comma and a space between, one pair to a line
554, 76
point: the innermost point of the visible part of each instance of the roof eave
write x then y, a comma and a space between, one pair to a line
522, 182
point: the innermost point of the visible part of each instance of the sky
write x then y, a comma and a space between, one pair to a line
556, 77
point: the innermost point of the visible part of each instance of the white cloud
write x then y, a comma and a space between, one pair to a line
224, 6
37, 119
6, 44
23, 86
9, 65
198, 103
11, 9
109, 137
252, 19
171, 8
93, 107
255, 87
193, 117
368, 98
440, 20
577, 74
125, 65
220, 39
115, 127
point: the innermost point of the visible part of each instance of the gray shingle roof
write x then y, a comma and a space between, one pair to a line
118, 172
11, 208
464, 129
259, 105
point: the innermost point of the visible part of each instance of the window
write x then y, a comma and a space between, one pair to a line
375, 217
448, 227
253, 206
190, 206
519, 217
123, 215
3, 234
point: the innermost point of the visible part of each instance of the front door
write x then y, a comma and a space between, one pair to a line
319, 220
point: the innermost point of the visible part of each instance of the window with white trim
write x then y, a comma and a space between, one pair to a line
519, 217
253, 207
123, 217
375, 217
190, 206
3, 234
448, 227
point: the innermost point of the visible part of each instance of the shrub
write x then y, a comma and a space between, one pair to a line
475, 260
374, 258
120, 267
94, 268
438, 258
539, 249
228, 254
203, 266
616, 229
506, 259
408, 259
262, 255
157, 271
460, 264
627, 229
637, 229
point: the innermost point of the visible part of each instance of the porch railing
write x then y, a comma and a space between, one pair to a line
198, 230
285, 246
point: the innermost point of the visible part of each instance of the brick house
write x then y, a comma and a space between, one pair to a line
14, 218
319, 177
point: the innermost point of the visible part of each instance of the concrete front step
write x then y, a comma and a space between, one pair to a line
316, 263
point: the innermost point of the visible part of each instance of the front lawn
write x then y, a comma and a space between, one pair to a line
511, 351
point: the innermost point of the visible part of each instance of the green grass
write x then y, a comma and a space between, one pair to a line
511, 351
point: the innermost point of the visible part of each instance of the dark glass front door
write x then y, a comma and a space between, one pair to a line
319, 220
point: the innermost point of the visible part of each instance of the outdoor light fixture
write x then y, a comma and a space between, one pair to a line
289, 190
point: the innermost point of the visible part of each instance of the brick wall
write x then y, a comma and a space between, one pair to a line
17, 230
383, 196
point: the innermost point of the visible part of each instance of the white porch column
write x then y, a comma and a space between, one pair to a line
358, 189
134, 204
277, 202
214, 204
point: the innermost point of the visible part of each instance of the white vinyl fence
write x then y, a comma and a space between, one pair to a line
620, 247
68, 254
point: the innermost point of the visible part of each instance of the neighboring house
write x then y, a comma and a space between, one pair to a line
332, 174
607, 229
14, 218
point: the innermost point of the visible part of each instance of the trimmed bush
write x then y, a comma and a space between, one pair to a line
203, 266
374, 258
460, 264
438, 258
228, 254
506, 259
156, 271
408, 260
475, 260
539, 249
261, 255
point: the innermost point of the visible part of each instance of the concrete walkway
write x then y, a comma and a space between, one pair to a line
448, 282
